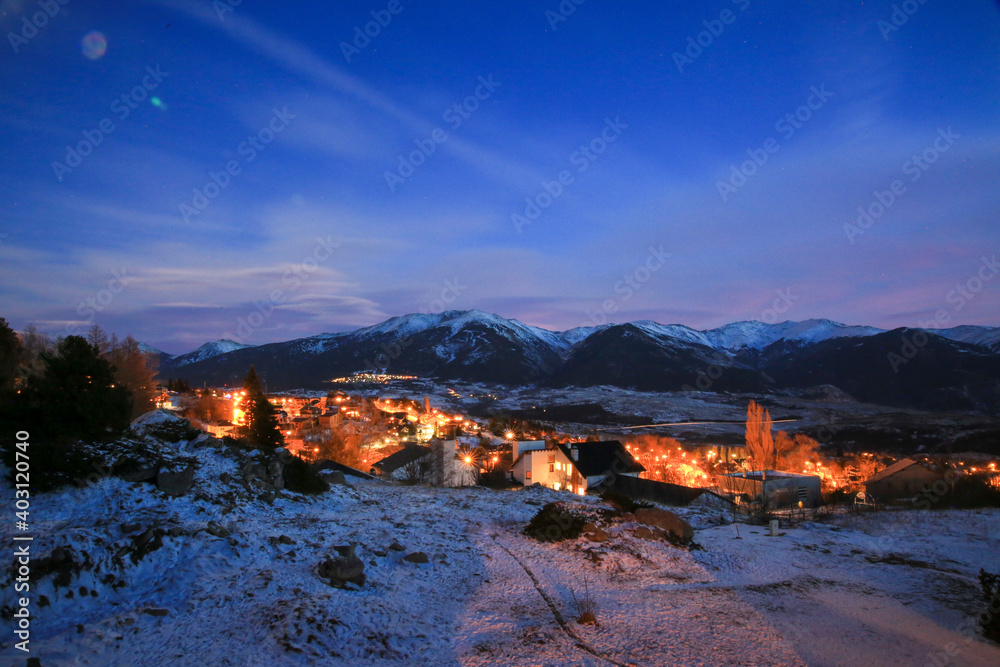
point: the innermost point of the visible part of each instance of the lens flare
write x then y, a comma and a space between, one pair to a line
94, 45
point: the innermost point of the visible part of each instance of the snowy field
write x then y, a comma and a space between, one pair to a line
881, 589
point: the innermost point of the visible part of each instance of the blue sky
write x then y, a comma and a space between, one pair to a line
305, 233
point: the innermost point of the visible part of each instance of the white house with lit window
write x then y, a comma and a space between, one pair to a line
441, 463
574, 466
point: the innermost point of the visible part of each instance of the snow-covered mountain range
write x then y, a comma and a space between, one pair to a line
207, 351
946, 368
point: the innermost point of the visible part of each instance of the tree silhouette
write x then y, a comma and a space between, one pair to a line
75, 399
261, 430
136, 370
760, 444
11, 353
76, 396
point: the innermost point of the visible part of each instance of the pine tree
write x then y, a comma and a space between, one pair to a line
74, 399
261, 429
76, 396
11, 353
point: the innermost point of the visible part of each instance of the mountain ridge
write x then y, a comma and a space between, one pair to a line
958, 368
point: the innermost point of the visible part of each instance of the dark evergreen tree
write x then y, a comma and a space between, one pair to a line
11, 356
261, 430
73, 401
11, 353
76, 397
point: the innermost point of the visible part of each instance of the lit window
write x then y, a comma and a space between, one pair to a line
527, 474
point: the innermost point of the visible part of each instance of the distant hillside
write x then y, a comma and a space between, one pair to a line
955, 369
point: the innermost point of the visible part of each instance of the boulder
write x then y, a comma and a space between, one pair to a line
644, 533
175, 483
217, 529
396, 546
680, 529
333, 477
141, 474
225, 478
417, 557
206, 440
594, 533
343, 569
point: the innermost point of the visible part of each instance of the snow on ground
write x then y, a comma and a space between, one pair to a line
881, 589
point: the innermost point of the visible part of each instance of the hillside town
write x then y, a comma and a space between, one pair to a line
388, 433
538, 526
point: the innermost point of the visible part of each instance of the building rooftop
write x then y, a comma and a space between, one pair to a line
597, 458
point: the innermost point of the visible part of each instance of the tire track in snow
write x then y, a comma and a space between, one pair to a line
579, 643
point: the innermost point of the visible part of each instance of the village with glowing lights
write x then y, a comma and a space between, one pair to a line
389, 422
393, 518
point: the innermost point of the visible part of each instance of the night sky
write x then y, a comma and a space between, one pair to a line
169, 167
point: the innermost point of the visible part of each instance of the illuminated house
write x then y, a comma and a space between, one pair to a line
574, 466
408, 464
778, 488
442, 463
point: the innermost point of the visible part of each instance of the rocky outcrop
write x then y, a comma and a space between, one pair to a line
417, 557
175, 483
345, 568
669, 522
